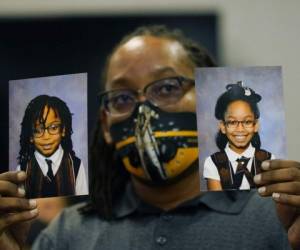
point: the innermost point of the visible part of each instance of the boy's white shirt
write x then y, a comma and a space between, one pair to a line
81, 187
55, 158
210, 170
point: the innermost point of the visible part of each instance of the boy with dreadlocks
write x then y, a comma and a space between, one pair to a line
46, 153
240, 156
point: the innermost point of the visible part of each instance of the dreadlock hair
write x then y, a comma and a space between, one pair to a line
236, 92
35, 113
108, 176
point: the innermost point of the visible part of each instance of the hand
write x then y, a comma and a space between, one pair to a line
281, 180
15, 211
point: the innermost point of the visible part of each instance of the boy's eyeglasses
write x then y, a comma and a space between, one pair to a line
163, 92
232, 124
53, 129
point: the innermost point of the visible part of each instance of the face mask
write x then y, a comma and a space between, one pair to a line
155, 145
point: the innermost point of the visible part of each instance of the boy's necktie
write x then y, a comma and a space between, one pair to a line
50, 172
242, 170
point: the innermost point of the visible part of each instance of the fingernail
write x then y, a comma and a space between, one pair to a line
262, 190
34, 211
32, 203
276, 196
21, 191
257, 178
21, 175
265, 165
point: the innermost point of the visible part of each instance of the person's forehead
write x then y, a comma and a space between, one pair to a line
49, 115
147, 56
239, 106
239, 103
149, 45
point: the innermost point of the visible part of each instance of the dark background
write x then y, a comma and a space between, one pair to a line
46, 47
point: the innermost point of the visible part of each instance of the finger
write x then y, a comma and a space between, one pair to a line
286, 213
9, 189
15, 218
278, 164
293, 234
287, 199
8, 204
278, 175
286, 187
13, 176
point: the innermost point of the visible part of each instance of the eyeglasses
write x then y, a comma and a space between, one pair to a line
53, 129
232, 124
161, 93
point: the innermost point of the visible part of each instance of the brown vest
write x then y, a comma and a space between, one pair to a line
225, 170
37, 185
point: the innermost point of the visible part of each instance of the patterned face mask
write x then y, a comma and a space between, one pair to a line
154, 145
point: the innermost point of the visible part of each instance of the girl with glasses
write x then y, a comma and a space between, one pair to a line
240, 154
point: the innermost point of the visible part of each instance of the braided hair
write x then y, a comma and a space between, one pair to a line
35, 113
108, 177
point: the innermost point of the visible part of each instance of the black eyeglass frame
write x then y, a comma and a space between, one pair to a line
181, 79
251, 125
58, 125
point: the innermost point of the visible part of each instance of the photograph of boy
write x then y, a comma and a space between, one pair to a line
46, 152
238, 140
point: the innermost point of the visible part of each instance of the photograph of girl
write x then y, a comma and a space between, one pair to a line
239, 110
240, 155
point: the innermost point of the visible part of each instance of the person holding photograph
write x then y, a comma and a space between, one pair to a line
130, 209
240, 156
46, 153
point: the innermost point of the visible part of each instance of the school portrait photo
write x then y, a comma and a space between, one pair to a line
241, 123
48, 134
